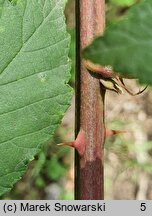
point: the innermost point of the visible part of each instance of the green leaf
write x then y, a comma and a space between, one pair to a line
34, 71
127, 45
123, 2
72, 55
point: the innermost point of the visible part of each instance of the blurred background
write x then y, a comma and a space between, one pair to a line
128, 156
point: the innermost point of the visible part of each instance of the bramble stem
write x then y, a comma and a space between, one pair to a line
90, 19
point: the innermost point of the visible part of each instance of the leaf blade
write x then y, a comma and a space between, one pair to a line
34, 72
126, 45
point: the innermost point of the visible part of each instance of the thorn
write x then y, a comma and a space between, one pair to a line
79, 144
109, 132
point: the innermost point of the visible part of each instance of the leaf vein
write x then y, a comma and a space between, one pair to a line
44, 99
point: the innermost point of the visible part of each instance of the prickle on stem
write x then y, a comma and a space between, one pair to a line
79, 144
109, 132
